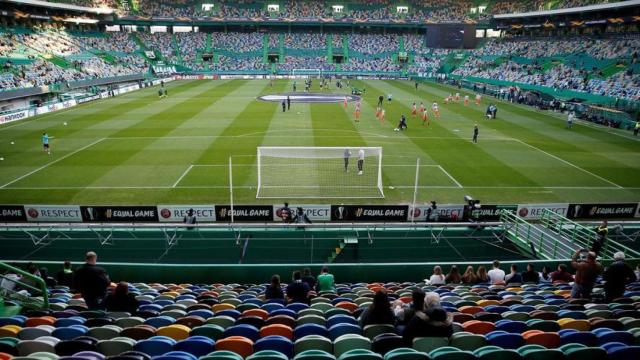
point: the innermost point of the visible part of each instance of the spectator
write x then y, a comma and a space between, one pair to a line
602, 230
121, 299
404, 313
65, 276
437, 278
496, 275
190, 218
561, 275
326, 281
545, 274
309, 279
587, 272
298, 291
469, 276
91, 282
481, 276
617, 275
9, 279
30, 282
301, 217
379, 312
454, 276
530, 276
432, 322
48, 280
514, 277
274, 290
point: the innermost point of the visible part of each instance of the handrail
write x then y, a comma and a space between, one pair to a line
584, 235
42, 287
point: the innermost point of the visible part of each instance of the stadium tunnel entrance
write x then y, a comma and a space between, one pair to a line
309, 97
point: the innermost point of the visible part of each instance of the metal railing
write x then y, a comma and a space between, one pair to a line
30, 296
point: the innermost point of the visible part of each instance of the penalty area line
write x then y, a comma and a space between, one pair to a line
182, 176
451, 177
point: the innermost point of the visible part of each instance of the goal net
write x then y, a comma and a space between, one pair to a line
319, 172
306, 73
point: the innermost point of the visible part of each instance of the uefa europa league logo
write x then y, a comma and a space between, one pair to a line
340, 212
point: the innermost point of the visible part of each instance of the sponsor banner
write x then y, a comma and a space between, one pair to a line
262, 213
53, 213
19, 115
119, 213
534, 211
491, 212
638, 212
602, 211
177, 213
313, 212
55, 107
388, 213
9, 213
87, 99
442, 213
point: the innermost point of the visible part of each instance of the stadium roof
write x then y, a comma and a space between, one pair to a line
62, 6
607, 6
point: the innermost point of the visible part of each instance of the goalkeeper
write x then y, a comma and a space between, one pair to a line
347, 154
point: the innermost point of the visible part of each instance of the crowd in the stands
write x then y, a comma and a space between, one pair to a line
226, 63
296, 62
370, 44
305, 41
380, 64
237, 42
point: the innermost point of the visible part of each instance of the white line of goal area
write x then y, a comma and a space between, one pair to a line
253, 187
445, 172
51, 163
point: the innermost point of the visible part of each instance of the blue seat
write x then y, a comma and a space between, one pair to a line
504, 339
155, 346
496, 309
522, 308
585, 338
163, 303
229, 312
288, 312
271, 307
341, 319
310, 329
624, 337
70, 332
276, 343
175, 355
203, 313
510, 326
297, 307
150, 307
254, 301
196, 345
159, 321
338, 330
579, 315
66, 322
625, 353
612, 346
246, 330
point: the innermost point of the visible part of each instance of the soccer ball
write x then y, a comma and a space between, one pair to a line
1, 159
13, 143
396, 129
65, 123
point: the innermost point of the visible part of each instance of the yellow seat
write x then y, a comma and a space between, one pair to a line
10, 331
580, 325
223, 306
175, 331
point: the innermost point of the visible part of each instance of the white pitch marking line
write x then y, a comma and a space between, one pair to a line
50, 163
251, 187
571, 164
450, 177
183, 175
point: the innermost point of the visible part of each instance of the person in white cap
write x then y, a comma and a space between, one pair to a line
616, 277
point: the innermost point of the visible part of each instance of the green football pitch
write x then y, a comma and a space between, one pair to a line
138, 149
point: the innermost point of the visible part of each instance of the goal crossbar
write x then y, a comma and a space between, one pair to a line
319, 172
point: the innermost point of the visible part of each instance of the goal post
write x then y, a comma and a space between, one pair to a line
305, 73
289, 172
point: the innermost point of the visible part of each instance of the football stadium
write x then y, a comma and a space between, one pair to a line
319, 180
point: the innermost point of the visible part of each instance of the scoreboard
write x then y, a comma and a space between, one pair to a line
451, 36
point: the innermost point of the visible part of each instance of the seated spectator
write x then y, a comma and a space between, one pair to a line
545, 274
453, 277
379, 312
514, 277
404, 312
326, 281
48, 280
298, 291
437, 278
121, 299
308, 278
469, 276
274, 289
482, 277
530, 276
65, 276
434, 321
30, 282
561, 275
496, 275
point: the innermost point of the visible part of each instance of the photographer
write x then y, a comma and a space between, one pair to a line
432, 212
587, 271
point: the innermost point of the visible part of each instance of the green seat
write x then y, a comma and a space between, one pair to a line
42, 356
211, 331
587, 353
311, 319
360, 354
544, 354
222, 321
222, 355
115, 346
631, 323
531, 347
324, 307
104, 332
336, 311
310, 311
516, 316
317, 300
571, 346
246, 306
268, 355
348, 342
496, 353
543, 325
405, 354
451, 353
313, 355
428, 344
232, 301
371, 331
467, 341
313, 342
130, 321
